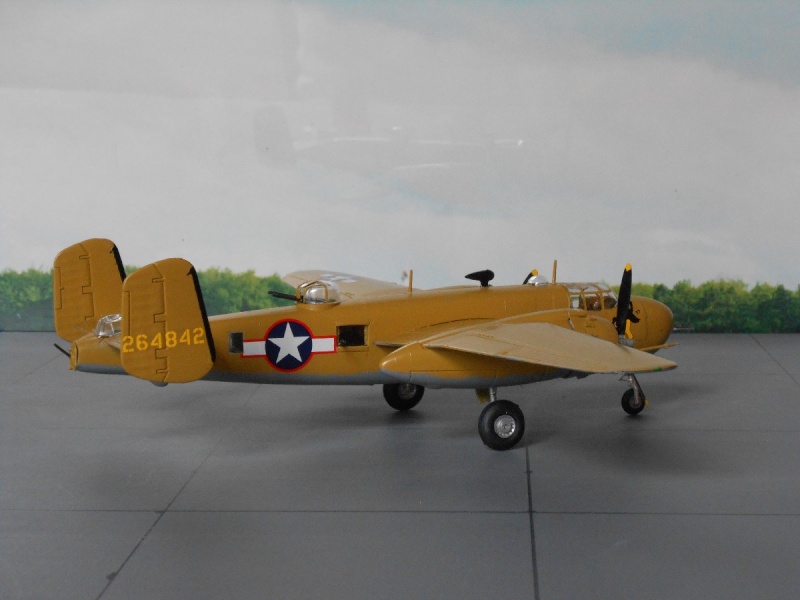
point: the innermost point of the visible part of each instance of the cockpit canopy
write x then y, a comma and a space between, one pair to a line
319, 292
591, 296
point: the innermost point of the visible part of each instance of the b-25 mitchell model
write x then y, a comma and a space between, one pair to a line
353, 330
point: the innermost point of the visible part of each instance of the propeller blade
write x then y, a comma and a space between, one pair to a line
624, 300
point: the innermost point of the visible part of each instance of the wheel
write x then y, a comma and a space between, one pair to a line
403, 396
629, 403
501, 425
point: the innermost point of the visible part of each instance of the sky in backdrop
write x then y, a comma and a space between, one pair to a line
374, 137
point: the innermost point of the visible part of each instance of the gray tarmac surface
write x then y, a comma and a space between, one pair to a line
112, 488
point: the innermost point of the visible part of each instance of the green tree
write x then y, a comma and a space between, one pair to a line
227, 292
683, 301
26, 300
20, 290
722, 307
776, 309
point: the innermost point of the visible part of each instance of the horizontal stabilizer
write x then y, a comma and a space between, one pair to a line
165, 333
87, 285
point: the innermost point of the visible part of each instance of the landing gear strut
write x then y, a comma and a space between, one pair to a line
501, 424
633, 400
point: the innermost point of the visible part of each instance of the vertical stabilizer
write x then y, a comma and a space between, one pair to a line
87, 285
165, 332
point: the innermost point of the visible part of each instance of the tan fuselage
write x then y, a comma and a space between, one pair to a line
381, 340
394, 330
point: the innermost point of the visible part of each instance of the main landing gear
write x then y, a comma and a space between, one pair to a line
501, 424
403, 396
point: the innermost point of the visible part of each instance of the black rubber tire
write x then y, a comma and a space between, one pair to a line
501, 425
628, 400
403, 396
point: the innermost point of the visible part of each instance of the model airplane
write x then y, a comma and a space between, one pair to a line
353, 330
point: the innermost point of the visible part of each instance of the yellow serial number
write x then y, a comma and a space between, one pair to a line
170, 339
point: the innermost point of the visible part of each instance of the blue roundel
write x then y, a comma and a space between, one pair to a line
288, 345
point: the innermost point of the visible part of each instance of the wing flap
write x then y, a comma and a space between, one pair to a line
550, 345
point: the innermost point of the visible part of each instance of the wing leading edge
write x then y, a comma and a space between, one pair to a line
550, 345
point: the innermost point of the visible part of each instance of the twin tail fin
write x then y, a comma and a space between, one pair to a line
154, 318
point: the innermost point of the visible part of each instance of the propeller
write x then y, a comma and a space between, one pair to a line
624, 301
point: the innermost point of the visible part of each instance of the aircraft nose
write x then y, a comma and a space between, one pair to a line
659, 322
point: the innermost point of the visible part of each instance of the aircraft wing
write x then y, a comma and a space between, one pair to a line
352, 287
550, 345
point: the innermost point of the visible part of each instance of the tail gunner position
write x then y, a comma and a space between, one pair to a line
352, 330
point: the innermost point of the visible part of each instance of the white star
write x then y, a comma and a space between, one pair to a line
289, 345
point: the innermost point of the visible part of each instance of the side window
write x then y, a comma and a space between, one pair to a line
609, 301
351, 335
593, 302
236, 342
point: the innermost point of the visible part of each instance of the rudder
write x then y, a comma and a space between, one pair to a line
166, 336
87, 285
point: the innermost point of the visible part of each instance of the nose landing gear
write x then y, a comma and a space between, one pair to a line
633, 400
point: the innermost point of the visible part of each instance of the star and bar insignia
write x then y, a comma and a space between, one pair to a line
289, 345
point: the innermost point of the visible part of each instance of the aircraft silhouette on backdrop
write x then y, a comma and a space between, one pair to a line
351, 330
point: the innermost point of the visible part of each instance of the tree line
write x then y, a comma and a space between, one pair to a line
720, 306
728, 306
